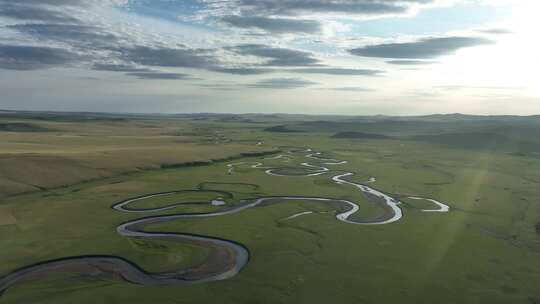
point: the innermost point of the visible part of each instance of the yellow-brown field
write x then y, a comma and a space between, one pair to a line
72, 152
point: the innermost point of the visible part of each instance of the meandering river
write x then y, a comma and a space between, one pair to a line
226, 258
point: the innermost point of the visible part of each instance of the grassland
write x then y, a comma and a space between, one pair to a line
486, 250
81, 150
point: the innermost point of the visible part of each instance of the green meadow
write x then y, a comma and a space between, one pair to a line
59, 179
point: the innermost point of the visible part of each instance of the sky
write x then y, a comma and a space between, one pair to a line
353, 57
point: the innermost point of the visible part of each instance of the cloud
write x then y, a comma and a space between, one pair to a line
17, 57
351, 89
282, 83
72, 3
50, 2
169, 57
34, 13
49, 10
422, 49
311, 70
277, 56
242, 70
468, 87
76, 34
496, 31
347, 7
101, 43
160, 76
411, 62
218, 86
274, 25
50, 24
140, 72
338, 71
119, 68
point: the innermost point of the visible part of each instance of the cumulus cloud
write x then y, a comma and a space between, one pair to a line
59, 11
34, 13
242, 70
48, 22
411, 62
160, 76
218, 86
47, 2
422, 49
496, 31
274, 25
338, 71
88, 43
83, 42
77, 34
52, 3
310, 70
17, 57
276, 56
169, 57
281, 83
119, 68
352, 89
140, 72
348, 7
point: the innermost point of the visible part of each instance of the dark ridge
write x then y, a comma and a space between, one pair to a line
538, 228
481, 140
281, 129
359, 135
256, 154
205, 185
187, 164
21, 127
464, 138
218, 160
236, 118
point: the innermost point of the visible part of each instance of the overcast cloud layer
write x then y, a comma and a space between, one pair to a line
357, 55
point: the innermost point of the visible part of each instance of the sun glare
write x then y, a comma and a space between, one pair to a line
511, 62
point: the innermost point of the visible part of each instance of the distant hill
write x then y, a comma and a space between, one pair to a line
21, 127
281, 129
395, 128
480, 140
359, 135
